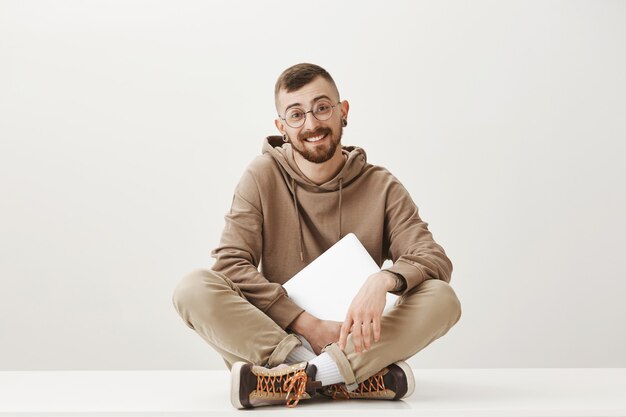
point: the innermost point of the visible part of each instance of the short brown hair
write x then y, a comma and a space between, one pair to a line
299, 75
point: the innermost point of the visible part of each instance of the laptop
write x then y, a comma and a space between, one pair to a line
325, 287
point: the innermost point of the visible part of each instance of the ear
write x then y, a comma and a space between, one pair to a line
345, 107
280, 126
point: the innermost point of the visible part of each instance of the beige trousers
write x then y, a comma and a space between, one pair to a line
214, 307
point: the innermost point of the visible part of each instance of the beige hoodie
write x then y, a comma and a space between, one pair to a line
280, 221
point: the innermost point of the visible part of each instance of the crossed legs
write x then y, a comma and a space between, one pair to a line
214, 307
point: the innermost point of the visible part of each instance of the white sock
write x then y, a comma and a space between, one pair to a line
327, 370
299, 354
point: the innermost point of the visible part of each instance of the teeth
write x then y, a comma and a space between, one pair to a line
315, 139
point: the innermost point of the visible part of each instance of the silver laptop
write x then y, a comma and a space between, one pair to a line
325, 288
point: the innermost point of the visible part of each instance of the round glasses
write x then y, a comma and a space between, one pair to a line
322, 110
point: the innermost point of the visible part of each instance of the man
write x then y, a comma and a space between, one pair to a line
304, 193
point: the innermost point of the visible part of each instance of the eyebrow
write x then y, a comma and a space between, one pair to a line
312, 101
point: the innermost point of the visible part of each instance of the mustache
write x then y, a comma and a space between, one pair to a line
316, 132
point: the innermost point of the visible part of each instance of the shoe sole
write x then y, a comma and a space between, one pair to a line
235, 376
410, 379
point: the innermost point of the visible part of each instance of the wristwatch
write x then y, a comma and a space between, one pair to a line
400, 282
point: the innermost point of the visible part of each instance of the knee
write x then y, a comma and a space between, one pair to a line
195, 290
447, 302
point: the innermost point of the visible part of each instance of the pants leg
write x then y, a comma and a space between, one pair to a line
215, 308
419, 317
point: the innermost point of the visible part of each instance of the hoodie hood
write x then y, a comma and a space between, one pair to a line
283, 154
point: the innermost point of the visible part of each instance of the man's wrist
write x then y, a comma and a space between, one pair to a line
303, 323
398, 282
390, 281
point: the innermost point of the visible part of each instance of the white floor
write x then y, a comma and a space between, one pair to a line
441, 392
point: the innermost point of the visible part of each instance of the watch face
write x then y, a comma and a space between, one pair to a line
399, 283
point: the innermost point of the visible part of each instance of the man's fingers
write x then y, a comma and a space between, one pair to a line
343, 336
376, 329
356, 336
367, 334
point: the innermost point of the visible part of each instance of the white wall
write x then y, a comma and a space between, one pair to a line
125, 125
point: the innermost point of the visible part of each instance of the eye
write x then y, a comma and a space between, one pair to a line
295, 114
322, 107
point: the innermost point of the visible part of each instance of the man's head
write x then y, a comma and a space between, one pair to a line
308, 106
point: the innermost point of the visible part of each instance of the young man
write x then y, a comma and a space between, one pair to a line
303, 194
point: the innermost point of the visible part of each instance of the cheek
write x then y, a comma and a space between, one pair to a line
294, 134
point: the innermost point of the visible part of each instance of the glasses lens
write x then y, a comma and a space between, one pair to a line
323, 110
294, 117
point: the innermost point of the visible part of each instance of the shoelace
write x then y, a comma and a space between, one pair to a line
374, 383
337, 389
297, 380
267, 384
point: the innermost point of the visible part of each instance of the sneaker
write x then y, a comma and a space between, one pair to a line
255, 386
394, 382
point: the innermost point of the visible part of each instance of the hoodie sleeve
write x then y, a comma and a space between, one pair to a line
239, 253
415, 254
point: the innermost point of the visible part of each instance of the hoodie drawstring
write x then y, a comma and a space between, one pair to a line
295, 206
340, 196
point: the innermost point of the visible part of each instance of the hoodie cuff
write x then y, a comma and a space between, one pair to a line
413, 276
283, 311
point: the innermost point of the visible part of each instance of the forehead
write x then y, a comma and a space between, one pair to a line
307, 94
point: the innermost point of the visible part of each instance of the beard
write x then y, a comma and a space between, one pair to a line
317, 153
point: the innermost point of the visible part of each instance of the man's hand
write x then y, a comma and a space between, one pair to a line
317, 332
366, 311
326, 332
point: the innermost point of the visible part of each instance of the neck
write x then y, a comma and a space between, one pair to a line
321, 173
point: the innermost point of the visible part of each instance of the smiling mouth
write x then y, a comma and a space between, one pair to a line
316, 139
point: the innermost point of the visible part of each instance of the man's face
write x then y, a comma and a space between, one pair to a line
317, 141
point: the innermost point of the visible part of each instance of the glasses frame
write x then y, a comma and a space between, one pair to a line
332, 108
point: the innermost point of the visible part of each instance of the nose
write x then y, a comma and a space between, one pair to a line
310, 123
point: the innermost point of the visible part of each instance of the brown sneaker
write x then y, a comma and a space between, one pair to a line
255, 386
394, 382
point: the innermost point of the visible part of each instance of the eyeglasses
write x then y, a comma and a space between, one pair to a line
322, 110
